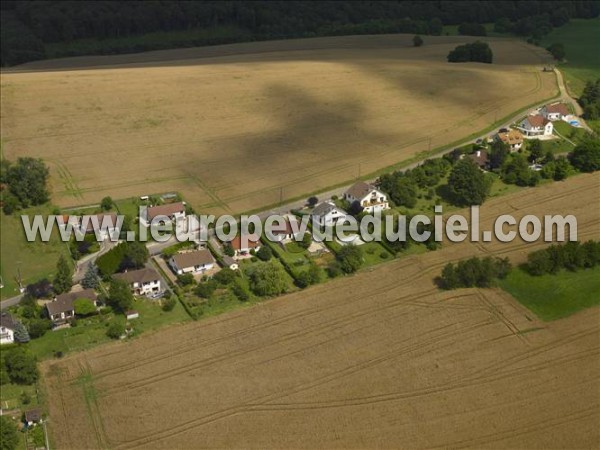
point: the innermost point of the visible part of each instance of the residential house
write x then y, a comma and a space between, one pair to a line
243, 247
173, 211
106, 224
481, 158
327, 214
62, 308
231, 263
192, 262
7, 328
33, 416
369, 198
512, 138
144, 281
536, 125
555, 111
288, 231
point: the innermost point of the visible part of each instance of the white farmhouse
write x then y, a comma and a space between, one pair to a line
536, 125
327, 214
142, 282
369, 198
192, 262
7, 328
555, 111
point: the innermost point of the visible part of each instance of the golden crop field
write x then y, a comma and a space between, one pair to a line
239, 127
382, 359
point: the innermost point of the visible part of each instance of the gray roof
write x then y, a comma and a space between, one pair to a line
228, 261
139, 276
359, 189
7, 321
64, 302
192, 259
33, 415
323, 208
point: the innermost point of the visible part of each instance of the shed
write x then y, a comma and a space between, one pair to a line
132, 314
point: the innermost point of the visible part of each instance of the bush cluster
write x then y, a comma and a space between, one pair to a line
571, 256
474, 272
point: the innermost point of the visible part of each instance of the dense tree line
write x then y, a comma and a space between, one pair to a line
28, 26
473, 52
474, 272
26, 181
403, 186
571, 256
590, 100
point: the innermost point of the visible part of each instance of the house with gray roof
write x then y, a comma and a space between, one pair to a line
327, 214
368, 196
192, 262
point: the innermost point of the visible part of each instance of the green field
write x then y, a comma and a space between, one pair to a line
90, 332
35, 260
552, 297
580, 38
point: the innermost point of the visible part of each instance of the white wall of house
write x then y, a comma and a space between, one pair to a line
330, 218
191, 269
7, 336
528, 130
147, 287
374, 201
63, 315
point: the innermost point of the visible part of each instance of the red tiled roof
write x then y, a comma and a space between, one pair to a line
165, 210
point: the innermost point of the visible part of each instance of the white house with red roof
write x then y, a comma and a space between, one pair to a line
536, 125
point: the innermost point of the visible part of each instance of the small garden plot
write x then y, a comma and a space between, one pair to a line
374, 253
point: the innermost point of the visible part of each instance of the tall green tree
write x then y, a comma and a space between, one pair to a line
467, 184
267, 278
586, 156
63, 280
27, 180
119, 295
350, 258
21, 366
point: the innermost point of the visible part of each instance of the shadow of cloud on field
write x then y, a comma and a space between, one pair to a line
306, 135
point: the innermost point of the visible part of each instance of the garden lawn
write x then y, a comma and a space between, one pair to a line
552, 297
374, 253
35, 260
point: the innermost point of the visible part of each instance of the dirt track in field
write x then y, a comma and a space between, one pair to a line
380, 359
260, 123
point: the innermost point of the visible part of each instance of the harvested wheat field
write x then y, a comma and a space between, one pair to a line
238, 127
380, 359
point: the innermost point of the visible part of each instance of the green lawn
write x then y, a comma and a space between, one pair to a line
552, 297
580, 38
576, 135
90, 332
35, 260
10, 396
373, 253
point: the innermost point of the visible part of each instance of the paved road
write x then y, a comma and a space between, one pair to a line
155, 248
